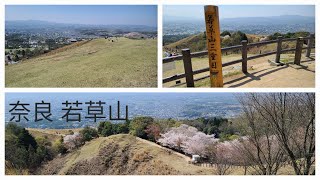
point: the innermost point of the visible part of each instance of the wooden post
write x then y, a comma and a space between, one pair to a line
244, 56
297, 56
188, 67
211, 14
310, 43
279, 49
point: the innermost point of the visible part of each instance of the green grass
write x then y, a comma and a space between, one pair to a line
99, 63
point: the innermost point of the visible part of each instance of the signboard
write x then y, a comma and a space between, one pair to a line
213, 45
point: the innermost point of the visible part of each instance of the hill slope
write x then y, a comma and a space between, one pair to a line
97, 63
122, 154
196, 43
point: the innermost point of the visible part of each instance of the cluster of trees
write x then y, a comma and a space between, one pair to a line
23, 151
106, 128
289, 35
280, 129
143, 127
18, 54
275, 130
168, 39
187, 139
221, 127
19, 49
234, 38
198, 42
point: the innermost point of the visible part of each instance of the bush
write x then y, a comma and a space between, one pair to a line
138, 126
89, 133
106, 128
224, 33
58, 146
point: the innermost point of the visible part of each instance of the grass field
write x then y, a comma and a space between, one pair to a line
97, 63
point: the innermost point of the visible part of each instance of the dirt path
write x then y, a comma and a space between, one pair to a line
262, 74
187, 158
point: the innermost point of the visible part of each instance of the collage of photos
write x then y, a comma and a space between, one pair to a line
101, 89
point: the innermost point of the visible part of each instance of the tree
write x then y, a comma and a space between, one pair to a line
105, 128
16, 57
222, 155
73, 141
138, 126
88, 133
290, 117
187, 139
153, 132
21, 149
58, 146
237, 37
166, 124
260, 146
22, 136
123, 128
198, 143
224, 33
23, 52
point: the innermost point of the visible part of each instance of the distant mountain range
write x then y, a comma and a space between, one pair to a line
274, 20
253, 25
284, 19
36, 24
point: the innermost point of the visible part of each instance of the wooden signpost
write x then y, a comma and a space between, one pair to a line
213, 43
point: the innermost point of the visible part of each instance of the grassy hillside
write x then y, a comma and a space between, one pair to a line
51, 134
122, 154
97, 63
196, 43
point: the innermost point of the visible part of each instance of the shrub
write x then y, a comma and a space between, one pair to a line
107, 128
58, 146
138, 126
88, 133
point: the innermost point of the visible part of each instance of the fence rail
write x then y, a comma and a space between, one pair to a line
186, 56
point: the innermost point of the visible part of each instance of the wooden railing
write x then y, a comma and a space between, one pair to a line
187, 57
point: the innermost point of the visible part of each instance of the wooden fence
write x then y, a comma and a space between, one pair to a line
187, 57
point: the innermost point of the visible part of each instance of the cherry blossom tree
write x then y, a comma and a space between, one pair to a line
290, 117
187, 139
73, 141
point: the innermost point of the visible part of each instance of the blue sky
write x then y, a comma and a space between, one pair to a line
85, 14
234, 11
